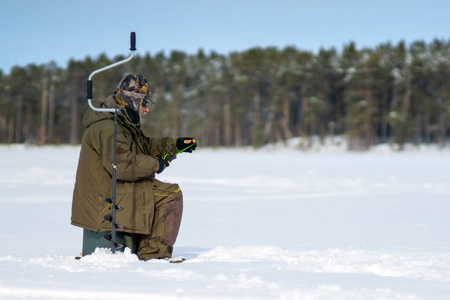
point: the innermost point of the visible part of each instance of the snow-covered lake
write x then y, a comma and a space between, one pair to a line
256, 225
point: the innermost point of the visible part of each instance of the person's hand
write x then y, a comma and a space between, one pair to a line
185, 142
165, 162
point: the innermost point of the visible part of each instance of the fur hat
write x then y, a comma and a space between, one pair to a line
132, 91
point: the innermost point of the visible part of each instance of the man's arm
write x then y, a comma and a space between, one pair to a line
131, 166
161, 146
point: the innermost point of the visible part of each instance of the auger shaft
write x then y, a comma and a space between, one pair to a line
111, 236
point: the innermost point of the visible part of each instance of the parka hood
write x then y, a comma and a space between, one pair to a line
92, 116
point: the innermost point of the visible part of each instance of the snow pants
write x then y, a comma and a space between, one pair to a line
165, 224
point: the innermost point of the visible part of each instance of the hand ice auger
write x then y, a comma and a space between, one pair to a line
111, 236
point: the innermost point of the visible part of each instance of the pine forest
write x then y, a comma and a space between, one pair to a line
393, 94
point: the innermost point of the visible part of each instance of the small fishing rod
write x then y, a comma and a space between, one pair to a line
181, 150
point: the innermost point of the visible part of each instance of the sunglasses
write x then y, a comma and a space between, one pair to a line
148, 101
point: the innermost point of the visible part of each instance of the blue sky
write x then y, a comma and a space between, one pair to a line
39, 31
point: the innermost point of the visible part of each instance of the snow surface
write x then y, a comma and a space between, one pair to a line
268, 224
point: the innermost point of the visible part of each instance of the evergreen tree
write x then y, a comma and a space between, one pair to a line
390, 93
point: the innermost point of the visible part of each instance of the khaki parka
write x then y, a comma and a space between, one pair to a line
136, 167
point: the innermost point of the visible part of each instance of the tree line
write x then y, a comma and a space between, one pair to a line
386, 94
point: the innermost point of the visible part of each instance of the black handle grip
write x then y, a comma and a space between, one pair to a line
89, 89
133, 41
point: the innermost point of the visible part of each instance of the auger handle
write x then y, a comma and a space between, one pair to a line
89, 82
133, 41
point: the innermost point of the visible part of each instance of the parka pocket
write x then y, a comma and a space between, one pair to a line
137, 200
105, 209
135, 214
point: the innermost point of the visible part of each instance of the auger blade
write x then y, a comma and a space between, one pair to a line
108, 217
118, 208
108, 236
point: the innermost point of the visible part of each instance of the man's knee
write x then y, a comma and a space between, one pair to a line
173, 219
